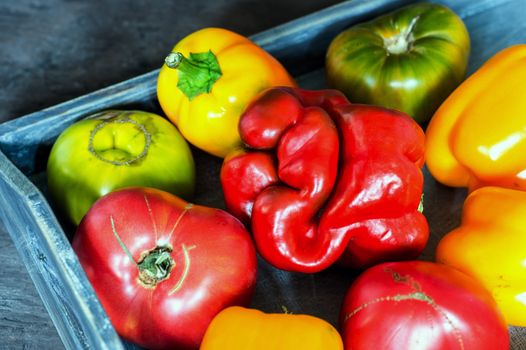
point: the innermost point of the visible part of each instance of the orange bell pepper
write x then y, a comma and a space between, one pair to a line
478, 135
207, 82
238, 328
490, 246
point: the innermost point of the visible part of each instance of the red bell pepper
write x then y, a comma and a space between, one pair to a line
325, 180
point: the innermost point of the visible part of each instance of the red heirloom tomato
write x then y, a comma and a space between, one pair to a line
163, 268
421, 305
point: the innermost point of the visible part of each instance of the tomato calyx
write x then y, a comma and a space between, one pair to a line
197, 73
155, 265
401, 42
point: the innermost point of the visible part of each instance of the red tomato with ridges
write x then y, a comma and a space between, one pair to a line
163, 268
421, 305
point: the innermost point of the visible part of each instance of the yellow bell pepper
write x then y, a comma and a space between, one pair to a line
238, 328
208, 80
490, 245
478, 135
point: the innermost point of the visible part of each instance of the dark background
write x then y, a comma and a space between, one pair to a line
55, 50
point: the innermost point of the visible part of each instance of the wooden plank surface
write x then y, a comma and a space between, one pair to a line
55, 50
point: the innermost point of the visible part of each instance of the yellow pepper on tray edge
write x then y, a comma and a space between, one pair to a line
478, 135
490, 246
208, 80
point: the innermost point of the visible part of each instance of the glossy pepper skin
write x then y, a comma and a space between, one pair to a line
409, 60
238, 328
420, 305
217, 75
489, 246
477, 137
325, 179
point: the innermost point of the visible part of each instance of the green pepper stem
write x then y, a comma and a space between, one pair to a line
421, 204
197, 73
174, 59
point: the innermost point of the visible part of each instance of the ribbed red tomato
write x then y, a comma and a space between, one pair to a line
421, 305
163, 268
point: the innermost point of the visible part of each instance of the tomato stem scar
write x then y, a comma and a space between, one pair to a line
124, 120
402, 41
121, 243
186, 208
150, 213
417, 295
186, 254
155, 265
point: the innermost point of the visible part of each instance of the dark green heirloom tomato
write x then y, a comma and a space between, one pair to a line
409, 60
116, 149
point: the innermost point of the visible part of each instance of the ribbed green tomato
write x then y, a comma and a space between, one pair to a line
113, 150
409, 60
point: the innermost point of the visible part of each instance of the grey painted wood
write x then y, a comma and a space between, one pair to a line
24, 322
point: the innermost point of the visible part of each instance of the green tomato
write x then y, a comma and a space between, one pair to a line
113, 150
409, 60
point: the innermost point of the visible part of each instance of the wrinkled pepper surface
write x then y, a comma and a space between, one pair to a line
238, 328
478, 135
490, 246
325, 180
209, 79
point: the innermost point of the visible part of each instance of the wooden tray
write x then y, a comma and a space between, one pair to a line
42, 238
